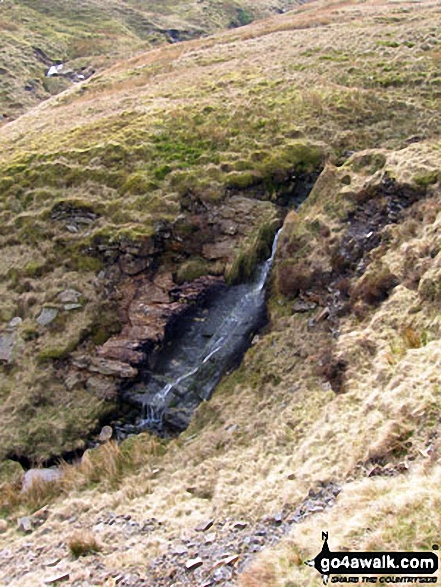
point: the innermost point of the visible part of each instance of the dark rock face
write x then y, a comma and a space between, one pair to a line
154, 306
200, 347
146, 282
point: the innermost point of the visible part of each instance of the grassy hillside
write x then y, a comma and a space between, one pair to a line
88, 35
332, 421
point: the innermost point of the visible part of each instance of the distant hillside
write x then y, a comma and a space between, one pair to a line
89, 34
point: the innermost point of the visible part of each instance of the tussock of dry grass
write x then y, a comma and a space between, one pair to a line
106, 467
395, 514
82, 543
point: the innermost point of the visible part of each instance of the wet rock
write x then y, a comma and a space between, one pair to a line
7, 344
46, 316
186, 370
154, 306
106, 434
177, 418
193, 563
40, 476
204, 526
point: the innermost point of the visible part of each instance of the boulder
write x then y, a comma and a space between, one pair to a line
69, 296
176, 419
25, 524
46, 316
106, 434
40, 476
15, 322
7, 344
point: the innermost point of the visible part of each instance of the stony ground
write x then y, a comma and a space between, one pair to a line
212, 553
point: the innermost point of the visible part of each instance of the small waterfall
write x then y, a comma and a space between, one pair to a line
207, 344
266, 268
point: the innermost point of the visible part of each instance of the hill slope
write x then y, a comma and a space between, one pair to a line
174, 167
88, 35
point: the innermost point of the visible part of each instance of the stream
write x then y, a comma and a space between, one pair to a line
205, 345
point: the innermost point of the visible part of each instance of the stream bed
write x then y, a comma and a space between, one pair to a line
206, 343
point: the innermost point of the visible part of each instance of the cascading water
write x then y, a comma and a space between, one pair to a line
206, 345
